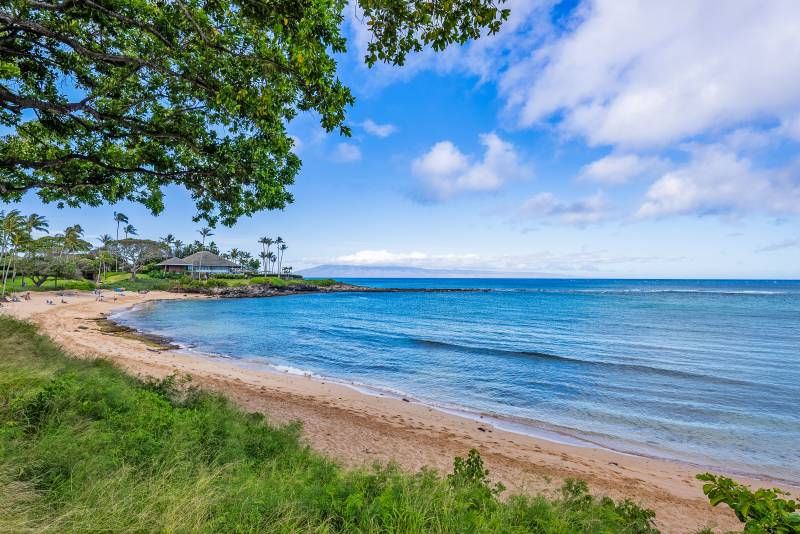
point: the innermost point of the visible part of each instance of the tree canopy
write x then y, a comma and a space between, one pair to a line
110, 100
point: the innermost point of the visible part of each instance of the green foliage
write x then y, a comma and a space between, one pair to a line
110, 102
53, 284
398, 28
150, 284
761, 511
469, 472
86, 448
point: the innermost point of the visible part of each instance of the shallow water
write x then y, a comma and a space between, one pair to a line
704, 371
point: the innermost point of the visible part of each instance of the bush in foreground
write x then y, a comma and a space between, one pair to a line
763, 510
87, 448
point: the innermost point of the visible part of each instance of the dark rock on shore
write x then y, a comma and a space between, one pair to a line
263, 290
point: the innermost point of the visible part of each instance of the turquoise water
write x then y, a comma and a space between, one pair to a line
704, 371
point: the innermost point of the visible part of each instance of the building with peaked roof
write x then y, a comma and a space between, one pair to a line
200, 262
173, 265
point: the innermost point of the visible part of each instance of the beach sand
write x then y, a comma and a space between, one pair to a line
358, 429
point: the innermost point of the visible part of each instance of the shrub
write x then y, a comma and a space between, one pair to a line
761, 511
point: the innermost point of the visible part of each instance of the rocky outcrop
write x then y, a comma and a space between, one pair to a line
264, 290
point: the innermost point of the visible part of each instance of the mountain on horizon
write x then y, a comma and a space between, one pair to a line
401, 271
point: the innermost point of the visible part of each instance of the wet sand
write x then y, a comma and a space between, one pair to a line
357, 429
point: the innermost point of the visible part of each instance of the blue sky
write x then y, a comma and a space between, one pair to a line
605, 138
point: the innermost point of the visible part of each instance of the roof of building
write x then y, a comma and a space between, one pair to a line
172, 261
207, 259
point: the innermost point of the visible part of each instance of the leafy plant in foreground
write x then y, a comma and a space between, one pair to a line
761, 511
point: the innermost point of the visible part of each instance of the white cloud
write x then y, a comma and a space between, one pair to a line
639, 73
636, 73
716, 180
580, 212
616, 169
445, 171
346, 153
580, 261
378, 130
385, 257
789, 242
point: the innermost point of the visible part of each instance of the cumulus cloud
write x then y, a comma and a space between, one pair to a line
716, 180
445, 171
638, 73
346, 153
580, 212
378, 130
616, 169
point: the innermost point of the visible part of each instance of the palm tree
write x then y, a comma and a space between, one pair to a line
36, 222
130, 230
119, 218
13, 232
263, 255
281, 250
271, 257
73, 239
168, 240
245, 258
266, 242
178, 248
278, 242
105, 240
205, 232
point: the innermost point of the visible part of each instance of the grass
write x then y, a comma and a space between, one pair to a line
144, 281
50, 285
85, 447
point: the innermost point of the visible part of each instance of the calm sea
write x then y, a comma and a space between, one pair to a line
704, 371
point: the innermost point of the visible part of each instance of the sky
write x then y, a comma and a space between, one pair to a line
606, 138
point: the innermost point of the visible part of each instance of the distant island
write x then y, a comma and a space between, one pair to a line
400, 271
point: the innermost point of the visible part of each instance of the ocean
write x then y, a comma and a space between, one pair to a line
694, 370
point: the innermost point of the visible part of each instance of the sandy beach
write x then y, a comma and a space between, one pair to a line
357, 429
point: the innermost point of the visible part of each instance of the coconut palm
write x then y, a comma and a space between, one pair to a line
178, 248
73, 240
119, 218
36, 222
105, 240
130, 230
204, 233
263, 255
265, 242
13, 233
271, 257
281, 249
168, 240
103, 255
244, 259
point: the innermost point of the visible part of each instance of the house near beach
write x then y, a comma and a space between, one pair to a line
200, 262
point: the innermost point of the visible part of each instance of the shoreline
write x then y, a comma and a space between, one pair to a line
357, 428
539, 430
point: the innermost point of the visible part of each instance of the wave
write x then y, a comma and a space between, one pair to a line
580, 361
610, 291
